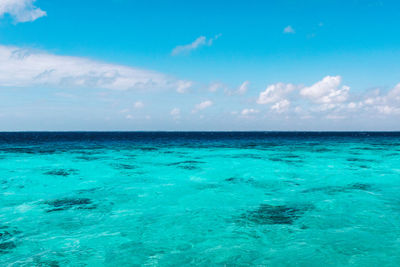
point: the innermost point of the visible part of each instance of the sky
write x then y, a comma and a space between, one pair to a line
126, 65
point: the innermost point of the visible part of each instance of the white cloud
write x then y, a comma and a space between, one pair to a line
203, 105
327, 91
138, 105
329, 99
281, 106
352, 105
275, 93
244, 87
335, 117
394, 94
241, 90
176, 113
215, 86
199, 42
249, 111
386, 104
388, 110
183, 86
288, 29
27, 68
129, 117
21, 10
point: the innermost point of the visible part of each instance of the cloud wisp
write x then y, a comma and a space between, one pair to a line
289, 30
27, 68
138, 105
199, 42
243, 87
203, 105
248, 111
21, 10
183, 86
176, 113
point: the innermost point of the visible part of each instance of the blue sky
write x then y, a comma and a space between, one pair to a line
199, 65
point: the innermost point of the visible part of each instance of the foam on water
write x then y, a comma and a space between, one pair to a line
171, 199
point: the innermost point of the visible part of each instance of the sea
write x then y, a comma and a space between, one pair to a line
200, 199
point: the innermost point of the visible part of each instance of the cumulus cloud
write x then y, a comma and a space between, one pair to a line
27, 68
281, 106
335, 117
329, 99
21, 10
138, 104
275, 93
288, 29
175, 113
388, 110
215, 86
183, 86
327, 91
385, 104
241, 90
199, 42
327, 94
203, 105
249, 111
394, 94
244, 87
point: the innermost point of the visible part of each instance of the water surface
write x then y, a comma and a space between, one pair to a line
173, 199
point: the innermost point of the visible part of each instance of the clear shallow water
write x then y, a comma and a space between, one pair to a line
173, 199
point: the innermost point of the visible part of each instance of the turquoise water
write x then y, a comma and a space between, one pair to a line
178, 199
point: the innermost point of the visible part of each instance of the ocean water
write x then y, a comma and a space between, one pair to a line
204, 199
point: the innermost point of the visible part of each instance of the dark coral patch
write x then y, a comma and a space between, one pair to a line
360, 186
61, 172
187, 164
30, 150
340, 189
291, 159
188, 167
326, 189
208, 186
89, 190
237, 180
49, 263
321, 150
232, 179
17, 150
360, 160
269, 214
7, 239
70, 203
88, 158
247, 155
147, 148
6, 246
123, 166
248, 181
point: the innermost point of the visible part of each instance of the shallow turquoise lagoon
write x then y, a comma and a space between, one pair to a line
179, 199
